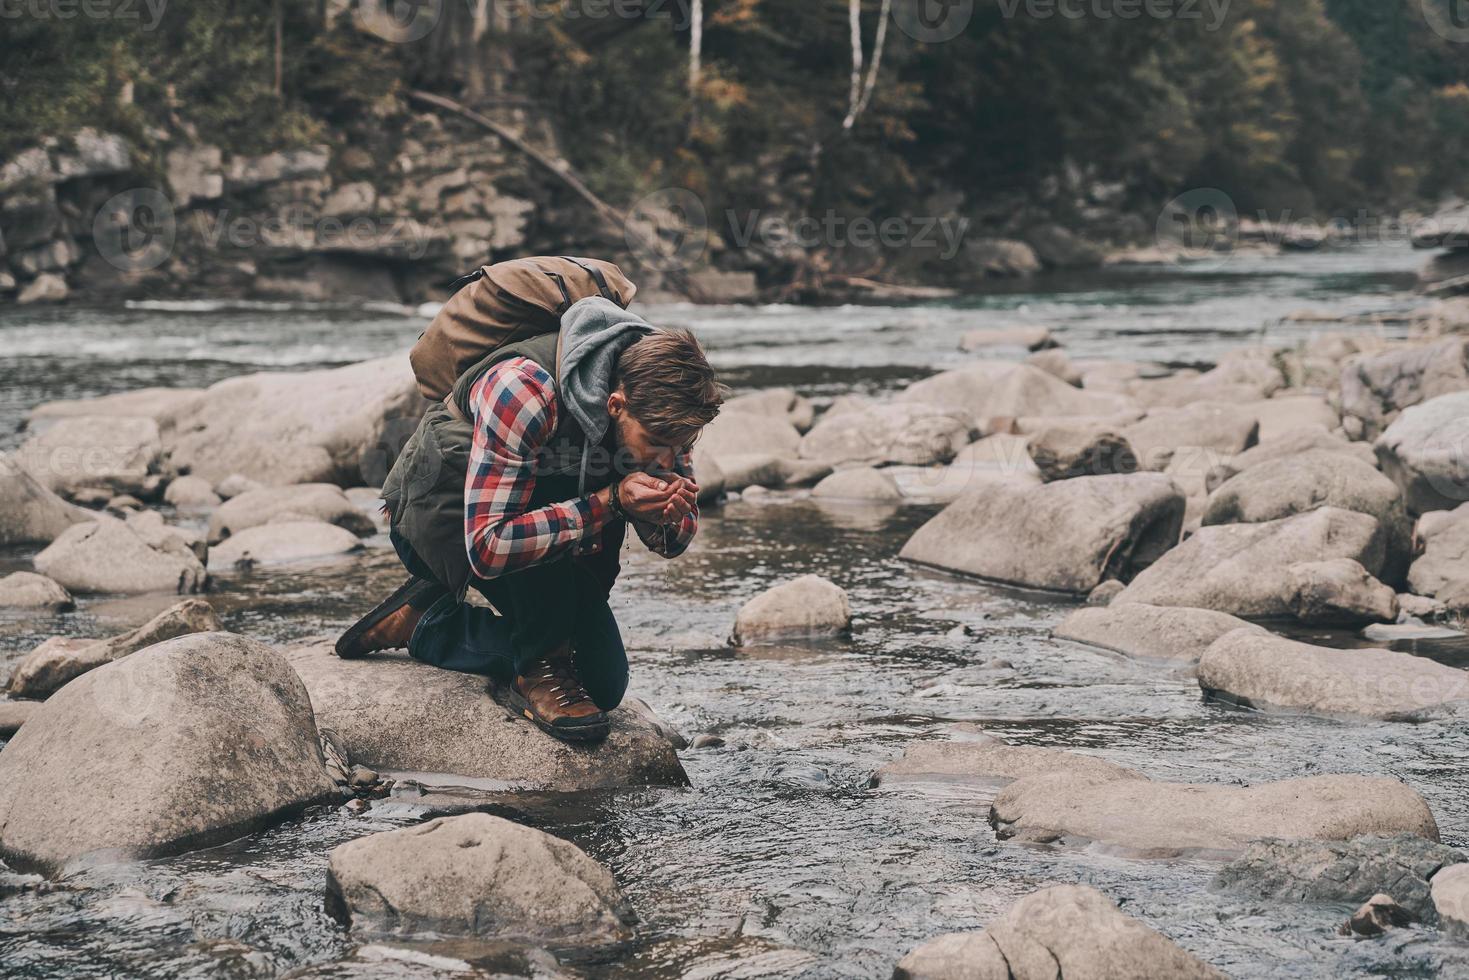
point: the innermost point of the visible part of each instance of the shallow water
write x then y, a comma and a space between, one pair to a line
778, 860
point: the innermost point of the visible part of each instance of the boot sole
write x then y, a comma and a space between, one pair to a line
594, 732
400, 598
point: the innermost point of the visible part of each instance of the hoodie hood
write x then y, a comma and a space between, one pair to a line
594, 332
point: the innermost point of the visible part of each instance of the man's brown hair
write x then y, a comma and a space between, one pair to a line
668, 383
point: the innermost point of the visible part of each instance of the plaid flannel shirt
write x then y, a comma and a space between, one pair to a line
515, 412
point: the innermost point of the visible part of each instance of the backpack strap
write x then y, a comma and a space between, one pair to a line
463, 281
600, 279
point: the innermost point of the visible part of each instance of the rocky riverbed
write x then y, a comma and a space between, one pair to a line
1037, 659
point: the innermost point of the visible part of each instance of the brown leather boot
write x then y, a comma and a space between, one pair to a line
390, 625
551, 695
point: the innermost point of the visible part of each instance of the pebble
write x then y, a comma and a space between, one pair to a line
357, 807
707, 742
1378, 915
362, 777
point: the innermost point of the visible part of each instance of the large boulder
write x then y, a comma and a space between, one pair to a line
1244, 569
1258, 669
1159, 819
1288, 414
29, 512
283, 541
27, 590
168, 407
1066, 452
1219, 427
780, 402
1377, 387
109, 556
317, 501
1341, 872
910, 433
61, 659
803, 608
395, 713
122, 454
1449, 889
862, 484
475, 875
1426, 453
183, 745
1289, 445
1071, 931
1293, 485
1066, 536
1136, 629
989, 390
1443, 567
1339, 592
342, 425
749, 433
987, 760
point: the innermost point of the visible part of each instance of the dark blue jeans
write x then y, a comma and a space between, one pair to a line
541, 608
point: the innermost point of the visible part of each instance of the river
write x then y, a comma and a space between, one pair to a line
778, 860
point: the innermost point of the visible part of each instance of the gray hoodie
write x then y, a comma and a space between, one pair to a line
594, 332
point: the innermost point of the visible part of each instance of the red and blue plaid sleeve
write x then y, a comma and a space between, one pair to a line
672, 540
514, 409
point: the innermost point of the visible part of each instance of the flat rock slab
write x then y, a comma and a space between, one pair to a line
475, 875
1349, 871
988, 761
394, 713
1166, 633
1258, 669
283, 541
1066, 536
185, 744
1070, 931
1153, 819
1244, 569
1003, 389
909, 433
118, 453
313, 501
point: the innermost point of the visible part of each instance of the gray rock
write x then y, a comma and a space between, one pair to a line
861, 484
1377, 915
117, 453
803, 608
744, 470
61, 659
318, 501
1282, 487
1377, 387
168, 407
185, 744
1030, 338
988, 761
1339, 592
1261, 670
989, 390
48, 287
1450, 891
283, 541
998, 258
1345, 871
746, 434
13, 714
909, 433
29, 512
1055, 362
1426, 453
234, 485
1155, 819
1103, 594
1067, 536
1066, 452
109, 556
475, 875
395, 714
1244, 569
779, 402
1443, 566
1163, 633
93, 153
195, 174
1219, 427
28, 590
1287, 446
1286, 415
191, 493
1071, 931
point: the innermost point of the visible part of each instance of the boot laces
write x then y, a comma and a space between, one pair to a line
564, 683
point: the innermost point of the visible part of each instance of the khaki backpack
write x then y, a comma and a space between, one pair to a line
505, 302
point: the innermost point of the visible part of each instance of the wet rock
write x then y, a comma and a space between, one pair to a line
1293, 485
109, 556
1065, 452
1156, 819
1377, 387
283, 541
124, 505
1426, 453
319, 501
1055, 362
1221, 428
1067, 536
342, 425
779, 402
395, 714
1030, 338
1450, 891
1002, 389
48, 287
29, 512
191, 493
977, 466
1443, 566
803, 608
1377, 915
748, 433
1244, 569
61, 659
117, 453
168, 538
988, 761
860, 484
13, 714
1061, 931
909, 433
1342, 871
998, 258
746, 470
447, 961
1282, 416
28, 590
1288, 446
1258, 669
1418, 607
1340, 592
1135, 629
184, 744
169, 407
475, 875
707, 741
234, 485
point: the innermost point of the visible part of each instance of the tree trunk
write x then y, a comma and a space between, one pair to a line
696, 58
280, 54
859, 102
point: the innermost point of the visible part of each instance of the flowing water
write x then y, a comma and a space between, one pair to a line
778, 860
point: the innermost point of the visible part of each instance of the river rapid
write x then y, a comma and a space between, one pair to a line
778, 860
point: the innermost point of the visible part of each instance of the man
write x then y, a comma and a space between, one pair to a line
521, 486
